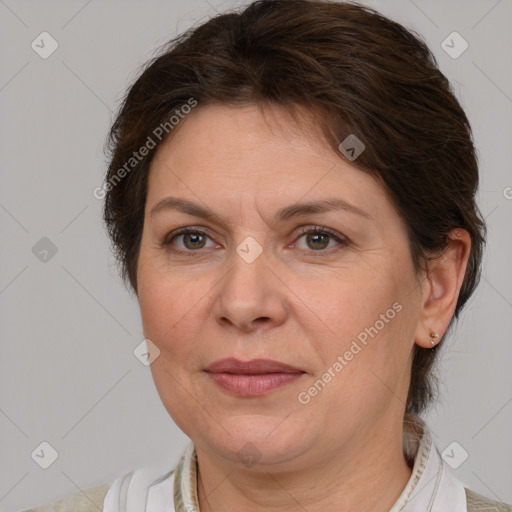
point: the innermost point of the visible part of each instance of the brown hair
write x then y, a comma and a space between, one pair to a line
356, 72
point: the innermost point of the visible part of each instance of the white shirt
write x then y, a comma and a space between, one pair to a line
432, 486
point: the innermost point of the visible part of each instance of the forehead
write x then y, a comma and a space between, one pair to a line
220, 152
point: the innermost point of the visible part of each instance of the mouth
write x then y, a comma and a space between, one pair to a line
252, 378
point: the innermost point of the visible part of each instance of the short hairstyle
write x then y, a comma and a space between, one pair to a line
356, 72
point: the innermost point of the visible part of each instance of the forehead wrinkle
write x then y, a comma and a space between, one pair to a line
244, 201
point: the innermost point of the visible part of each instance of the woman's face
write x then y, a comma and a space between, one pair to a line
343, 307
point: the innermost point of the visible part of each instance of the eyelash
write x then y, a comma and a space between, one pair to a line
306, 230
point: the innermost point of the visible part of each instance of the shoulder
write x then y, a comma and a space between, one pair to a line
478, 503
130, 488
88, 500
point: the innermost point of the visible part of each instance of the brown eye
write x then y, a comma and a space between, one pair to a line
192, 240
318, 239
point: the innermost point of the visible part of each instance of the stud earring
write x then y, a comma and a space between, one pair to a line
433, 336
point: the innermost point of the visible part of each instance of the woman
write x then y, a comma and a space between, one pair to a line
291, 195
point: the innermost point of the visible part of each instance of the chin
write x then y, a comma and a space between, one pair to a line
255, 440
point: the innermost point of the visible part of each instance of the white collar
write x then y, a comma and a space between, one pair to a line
432, 486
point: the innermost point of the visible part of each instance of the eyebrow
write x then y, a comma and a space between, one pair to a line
286, 213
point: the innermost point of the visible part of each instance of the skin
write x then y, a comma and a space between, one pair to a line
295, 303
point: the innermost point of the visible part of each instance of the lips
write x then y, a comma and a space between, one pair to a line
253, 378
252, 367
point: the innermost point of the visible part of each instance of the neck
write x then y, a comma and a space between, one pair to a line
361, 477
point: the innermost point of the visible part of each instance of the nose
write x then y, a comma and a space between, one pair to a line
251, 295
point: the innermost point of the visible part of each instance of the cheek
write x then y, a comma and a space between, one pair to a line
368, 322
169, 318
348, 305
168, 301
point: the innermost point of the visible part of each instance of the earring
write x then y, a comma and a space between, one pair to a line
433, 336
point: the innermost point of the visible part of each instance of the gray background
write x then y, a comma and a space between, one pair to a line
68, 373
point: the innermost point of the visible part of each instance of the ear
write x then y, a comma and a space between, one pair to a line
441, 288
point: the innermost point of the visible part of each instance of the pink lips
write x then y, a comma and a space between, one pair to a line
252, 378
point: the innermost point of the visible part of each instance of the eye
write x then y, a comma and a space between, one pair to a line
318, 238
192, 239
